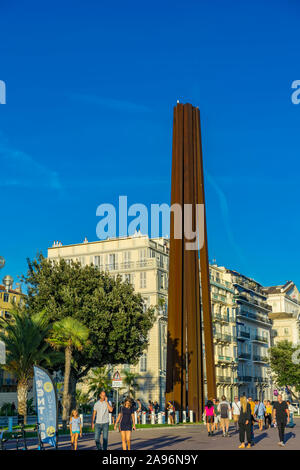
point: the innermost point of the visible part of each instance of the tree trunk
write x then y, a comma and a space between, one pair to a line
22, 391
66, 401
72, 388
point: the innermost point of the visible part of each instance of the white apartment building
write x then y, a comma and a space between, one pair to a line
144, 263
253, 327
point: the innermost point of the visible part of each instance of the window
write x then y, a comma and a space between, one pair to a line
5, 297
143, 280
126, 259
143, 363
286, 330
98, 261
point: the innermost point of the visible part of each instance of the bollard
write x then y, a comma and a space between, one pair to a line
176, 417
159, 418
163, 417
184, 416
135, 417
152, 417
169, 420
109, 418
191, 416
144, 417
81, 419
10, 424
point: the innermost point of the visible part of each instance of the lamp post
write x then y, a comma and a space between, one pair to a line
233, 368
2, 262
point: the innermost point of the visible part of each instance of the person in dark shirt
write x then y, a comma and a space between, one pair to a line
281, 415
245, 422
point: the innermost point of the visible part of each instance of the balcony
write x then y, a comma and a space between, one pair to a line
223, 338
245, 378
258, 358
260, 380
222, 379
219, 317
225, 359
245, 356
243, 334
254, 317
260, 339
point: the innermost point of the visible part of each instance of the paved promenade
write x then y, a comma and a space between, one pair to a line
193, 437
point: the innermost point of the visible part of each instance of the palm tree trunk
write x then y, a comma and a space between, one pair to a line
66, 402
22, 391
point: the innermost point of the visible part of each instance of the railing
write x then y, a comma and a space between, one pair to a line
253, 316
258, 358
259, 338
225, 358
245, 378
243, 334
222, 379
244, 356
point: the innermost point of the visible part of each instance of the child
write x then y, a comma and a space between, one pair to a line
75, 428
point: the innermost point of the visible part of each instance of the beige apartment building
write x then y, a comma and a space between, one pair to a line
143, 262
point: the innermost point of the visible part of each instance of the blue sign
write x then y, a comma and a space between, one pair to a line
46, 400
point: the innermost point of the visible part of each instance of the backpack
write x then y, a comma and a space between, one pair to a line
224, 409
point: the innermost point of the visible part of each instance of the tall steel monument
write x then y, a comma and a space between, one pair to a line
187, 356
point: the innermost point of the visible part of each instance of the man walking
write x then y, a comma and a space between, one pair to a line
236, 411
281, 415
224, 409
101, 412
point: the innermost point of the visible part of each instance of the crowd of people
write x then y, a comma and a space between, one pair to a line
245, 412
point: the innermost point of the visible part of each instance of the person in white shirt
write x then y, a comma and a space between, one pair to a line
236, 410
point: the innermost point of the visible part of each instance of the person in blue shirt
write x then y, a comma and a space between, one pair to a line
75, 428
259, 412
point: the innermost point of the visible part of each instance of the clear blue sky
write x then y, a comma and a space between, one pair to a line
90, 93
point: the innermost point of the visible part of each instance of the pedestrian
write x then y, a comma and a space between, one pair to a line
268, 415
101, 413
156, 407
217, 417
245, 422
127, 423
171, 412
292, 410
259, 412
209, 414
224, 409
282, 416
75, 428
236, 409
253, 420
139, 411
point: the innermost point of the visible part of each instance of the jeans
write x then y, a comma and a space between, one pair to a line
245, 429
101, 428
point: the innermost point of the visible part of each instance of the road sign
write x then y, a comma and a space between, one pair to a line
116, 380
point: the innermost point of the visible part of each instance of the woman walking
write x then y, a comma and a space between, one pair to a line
268, 415
75, 428
245, 422
127, 423
209, 414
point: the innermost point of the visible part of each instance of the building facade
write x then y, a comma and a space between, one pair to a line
144, 263
253, 331
10, 296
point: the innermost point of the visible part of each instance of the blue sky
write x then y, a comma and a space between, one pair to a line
90, 93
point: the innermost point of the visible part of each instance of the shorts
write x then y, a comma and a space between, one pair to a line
260, 417
75, 432
217, 419
210, 419
236, 418
224, 421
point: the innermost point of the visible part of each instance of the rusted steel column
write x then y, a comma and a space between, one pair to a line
184, 353
205, 280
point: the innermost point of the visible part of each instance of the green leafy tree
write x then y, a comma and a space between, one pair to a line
284, 362
83, 401
71, 335
99, 379
24, 338
130, 380
114, 314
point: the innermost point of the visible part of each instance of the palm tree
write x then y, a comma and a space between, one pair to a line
130, 379
70, 335
24, 338
99, 380
83, 401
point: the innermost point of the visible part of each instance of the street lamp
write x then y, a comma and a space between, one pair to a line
233, 368
2, 262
